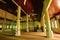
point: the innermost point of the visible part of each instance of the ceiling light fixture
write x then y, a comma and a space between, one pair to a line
34, 14
25, 2
58, 3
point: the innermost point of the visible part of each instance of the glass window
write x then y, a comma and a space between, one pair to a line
8, 26
55, 24
0, 27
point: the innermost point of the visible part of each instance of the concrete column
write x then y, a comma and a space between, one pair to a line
18, 32
27, 23
49, 33
47, 4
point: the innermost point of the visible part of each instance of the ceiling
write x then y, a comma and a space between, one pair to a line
38, 7
54, 8
31, 7
8, 6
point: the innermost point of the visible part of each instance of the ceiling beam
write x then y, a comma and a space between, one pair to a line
18, 5
3, 1
8, 15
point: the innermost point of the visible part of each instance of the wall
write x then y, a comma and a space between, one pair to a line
55, 29
7, 14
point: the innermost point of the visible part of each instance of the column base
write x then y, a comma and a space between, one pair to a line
18, 33
27, 30
49, 34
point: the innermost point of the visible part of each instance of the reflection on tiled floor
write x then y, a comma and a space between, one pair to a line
37, 36
34, 36
56, 35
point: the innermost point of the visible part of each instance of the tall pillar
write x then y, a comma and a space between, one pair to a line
27, 22
18, 32
48, 26
49, 32
47, 4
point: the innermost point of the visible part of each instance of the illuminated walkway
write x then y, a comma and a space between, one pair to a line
37, 36
31, 36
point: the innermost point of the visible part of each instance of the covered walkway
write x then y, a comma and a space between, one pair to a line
30, 36
29, 19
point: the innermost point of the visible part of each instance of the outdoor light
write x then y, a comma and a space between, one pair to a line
24, 2
28, 15
34, 14
58, 3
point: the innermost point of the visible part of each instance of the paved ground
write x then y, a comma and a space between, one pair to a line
32, 36
38, 36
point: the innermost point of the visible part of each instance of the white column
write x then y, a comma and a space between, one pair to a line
18, 32
48, 26
49, 33
27, 22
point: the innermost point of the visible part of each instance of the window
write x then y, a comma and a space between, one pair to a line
7, 26
0, 27
55, 24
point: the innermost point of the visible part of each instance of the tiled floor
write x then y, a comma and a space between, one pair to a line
37, 36
34, 36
